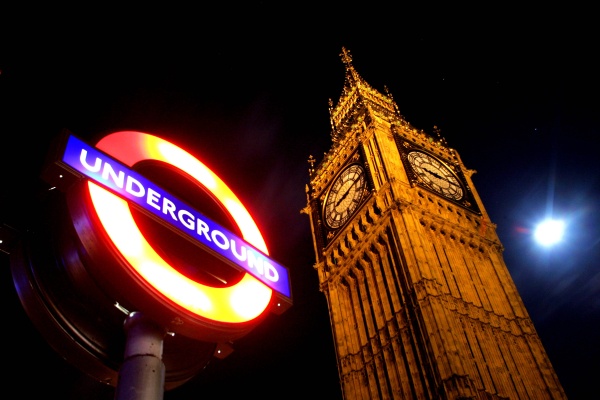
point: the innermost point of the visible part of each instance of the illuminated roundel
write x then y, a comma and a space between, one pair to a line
237, 303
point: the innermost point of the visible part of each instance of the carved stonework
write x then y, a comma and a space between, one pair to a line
422, 303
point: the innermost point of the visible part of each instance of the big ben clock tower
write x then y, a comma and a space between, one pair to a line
421, 303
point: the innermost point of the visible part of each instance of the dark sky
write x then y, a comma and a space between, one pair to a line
515, 94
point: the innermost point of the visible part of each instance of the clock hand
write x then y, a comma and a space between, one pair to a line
337, 203
346, 193
441, 177
433, 173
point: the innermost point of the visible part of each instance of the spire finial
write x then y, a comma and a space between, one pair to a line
351, 75
311, 162
346, 57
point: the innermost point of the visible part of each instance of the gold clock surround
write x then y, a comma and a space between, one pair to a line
450, 183
344, 196
435, 174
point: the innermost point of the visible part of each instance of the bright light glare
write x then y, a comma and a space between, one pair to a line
237, 303
549, 232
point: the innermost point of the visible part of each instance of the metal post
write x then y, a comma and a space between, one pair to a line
142, 375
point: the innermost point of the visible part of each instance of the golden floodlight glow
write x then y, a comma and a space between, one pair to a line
237, 303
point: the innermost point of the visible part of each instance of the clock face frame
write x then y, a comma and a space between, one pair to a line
345, 195
436, 175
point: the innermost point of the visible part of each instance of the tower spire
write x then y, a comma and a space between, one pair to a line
422, 304
351, 74
346, 57
356, 99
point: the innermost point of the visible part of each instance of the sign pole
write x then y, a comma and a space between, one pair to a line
142, 374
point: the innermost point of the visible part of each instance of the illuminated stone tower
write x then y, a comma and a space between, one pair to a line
421, 302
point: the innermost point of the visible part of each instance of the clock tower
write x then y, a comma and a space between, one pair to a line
421, 303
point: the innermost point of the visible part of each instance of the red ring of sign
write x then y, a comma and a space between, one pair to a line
237, 303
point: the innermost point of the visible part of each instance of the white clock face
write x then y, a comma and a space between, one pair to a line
345, 196
436, 175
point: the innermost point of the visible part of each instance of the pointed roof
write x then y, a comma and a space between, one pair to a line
356, 95
352, 79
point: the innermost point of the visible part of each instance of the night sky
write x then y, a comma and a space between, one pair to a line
247, 93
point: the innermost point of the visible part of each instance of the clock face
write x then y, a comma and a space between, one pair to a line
345, 196
436, 175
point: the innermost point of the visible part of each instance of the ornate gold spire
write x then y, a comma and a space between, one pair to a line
352, 79
346, 56
357, 96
